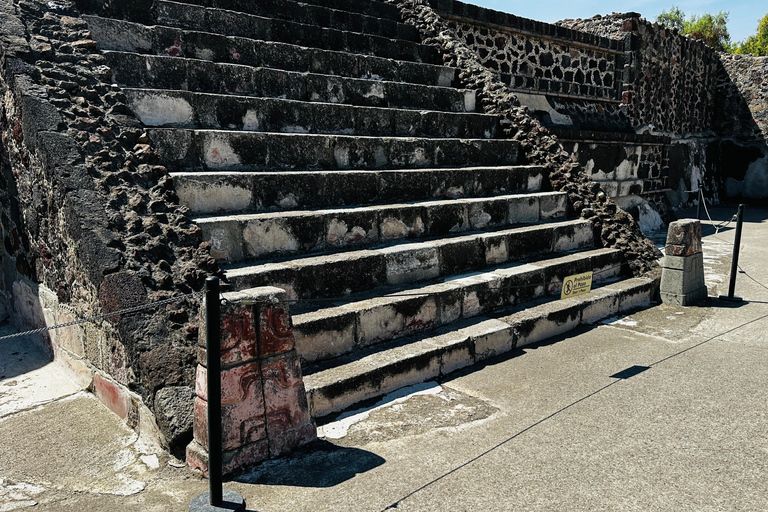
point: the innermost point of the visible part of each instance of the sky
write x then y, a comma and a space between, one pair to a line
742, 19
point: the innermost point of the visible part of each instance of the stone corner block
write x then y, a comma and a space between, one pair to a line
684, 238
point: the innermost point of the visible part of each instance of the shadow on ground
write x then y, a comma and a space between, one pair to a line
321, 464
19, 356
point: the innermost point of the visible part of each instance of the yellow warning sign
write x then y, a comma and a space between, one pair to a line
576, 285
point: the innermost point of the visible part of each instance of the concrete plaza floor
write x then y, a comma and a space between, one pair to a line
663, 409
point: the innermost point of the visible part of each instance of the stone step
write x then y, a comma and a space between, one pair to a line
341, 327
379, 40
228, 150
392, 366
183, 109
327, 329
375, 8
216, 192
305, 13
133, 70
342, 274
125, 36
268, 235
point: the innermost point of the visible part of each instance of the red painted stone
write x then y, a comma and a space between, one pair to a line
238, 336
197, 457
200, 422
275, 331
112, 395
237, 384
285, 398
684, 238
264, 403
285, 442
242, 410
232, 460
249, 455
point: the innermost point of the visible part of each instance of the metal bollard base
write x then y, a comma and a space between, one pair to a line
231, 501
731, 299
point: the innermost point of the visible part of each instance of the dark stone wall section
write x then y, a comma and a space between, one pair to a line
613, 227
87, 211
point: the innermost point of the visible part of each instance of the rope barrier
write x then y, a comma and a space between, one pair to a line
93, 319
424, 294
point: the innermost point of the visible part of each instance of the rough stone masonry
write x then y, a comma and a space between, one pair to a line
92, 221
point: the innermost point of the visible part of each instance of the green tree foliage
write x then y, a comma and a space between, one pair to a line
756, 44
675, 18
709, 28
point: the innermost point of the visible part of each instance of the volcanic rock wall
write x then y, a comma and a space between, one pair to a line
91, 223
711, 104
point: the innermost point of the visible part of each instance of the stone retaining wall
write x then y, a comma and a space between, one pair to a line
91, 222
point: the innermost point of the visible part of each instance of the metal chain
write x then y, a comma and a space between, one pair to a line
271, 300
93, 319
424, 294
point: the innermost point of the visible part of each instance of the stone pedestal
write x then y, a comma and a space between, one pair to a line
682, 276
264, 404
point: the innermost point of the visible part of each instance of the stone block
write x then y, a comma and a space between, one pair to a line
406, 265
553, 206
600, 304
634, 293
684, 238
523, 209
481, 293
27, 305
226, 239
378, 322
456, 351
555, 318
69, 338
275, 330
419, 314
242, 406
238, 334
449, 303
491, 338
496, 250
488, 213
284, 394
682, 277
287, 441
574, 236
78, 369
412, 369
320, 335
232, 460
269, 237
113, 395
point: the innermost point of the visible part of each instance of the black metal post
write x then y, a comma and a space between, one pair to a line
735, 258
213, 340
698, 206
214, 499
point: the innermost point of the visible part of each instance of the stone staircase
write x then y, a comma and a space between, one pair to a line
322, 149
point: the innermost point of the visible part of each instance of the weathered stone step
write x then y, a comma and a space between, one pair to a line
342, 274
336, 328
125, 36
460, 345
307, 14
229, 150
377, 41
183, 109
215, 192
376, 8
135, 70
267, 235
